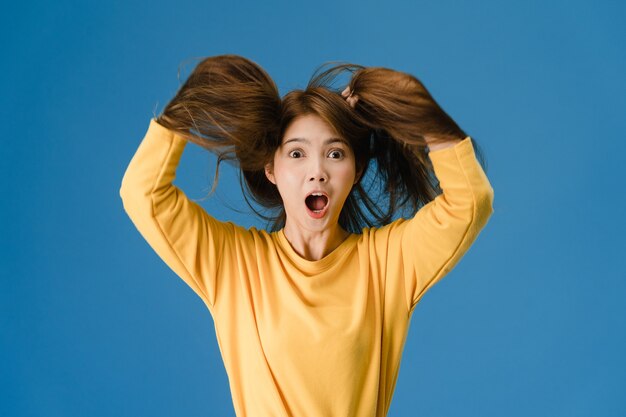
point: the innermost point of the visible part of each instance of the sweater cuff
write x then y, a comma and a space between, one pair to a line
456, 165
157, 130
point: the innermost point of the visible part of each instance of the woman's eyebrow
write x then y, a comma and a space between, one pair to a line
326, 142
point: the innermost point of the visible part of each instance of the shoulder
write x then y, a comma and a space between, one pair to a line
252, 236
380, 237
378, 232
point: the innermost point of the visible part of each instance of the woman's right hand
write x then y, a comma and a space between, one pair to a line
228, 102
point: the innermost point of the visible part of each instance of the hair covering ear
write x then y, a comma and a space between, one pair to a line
358, 175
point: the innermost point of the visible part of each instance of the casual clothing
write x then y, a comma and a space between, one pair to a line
299, 337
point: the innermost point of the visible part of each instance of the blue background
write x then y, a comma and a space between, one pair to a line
532, 321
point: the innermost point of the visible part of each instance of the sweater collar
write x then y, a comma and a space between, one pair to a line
313, 267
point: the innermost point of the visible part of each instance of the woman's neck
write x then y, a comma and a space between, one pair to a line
314, 245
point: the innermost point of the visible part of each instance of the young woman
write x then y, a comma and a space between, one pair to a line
311, 316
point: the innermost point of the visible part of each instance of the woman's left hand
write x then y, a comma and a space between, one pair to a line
350, 98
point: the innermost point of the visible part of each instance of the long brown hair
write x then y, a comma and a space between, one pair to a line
230, 106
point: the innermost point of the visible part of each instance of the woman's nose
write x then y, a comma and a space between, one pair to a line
318, 178
318, 173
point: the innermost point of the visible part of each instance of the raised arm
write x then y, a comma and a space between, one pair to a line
181, 232
425, 248
443, 230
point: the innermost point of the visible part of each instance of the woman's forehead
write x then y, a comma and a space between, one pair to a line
310, 128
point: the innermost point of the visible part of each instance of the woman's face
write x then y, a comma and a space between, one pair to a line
312, 159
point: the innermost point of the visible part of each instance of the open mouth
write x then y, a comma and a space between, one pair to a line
317, 203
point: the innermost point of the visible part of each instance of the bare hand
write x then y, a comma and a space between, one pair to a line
350, 98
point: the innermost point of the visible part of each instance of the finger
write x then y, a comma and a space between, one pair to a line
346, 91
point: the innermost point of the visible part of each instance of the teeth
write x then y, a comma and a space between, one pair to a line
317, 194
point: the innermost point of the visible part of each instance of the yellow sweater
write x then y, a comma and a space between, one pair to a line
307, 338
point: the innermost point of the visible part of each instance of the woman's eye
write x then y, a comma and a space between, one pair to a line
336, 154
295, 154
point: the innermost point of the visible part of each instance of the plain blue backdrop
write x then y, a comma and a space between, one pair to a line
531, 322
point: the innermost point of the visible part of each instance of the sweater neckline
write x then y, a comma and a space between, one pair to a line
321, 264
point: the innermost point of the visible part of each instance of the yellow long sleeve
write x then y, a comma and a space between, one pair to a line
181, 232
442, 231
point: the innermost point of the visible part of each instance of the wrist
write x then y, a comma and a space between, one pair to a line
442, 145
